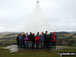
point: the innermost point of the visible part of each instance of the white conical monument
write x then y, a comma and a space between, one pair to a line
37, 21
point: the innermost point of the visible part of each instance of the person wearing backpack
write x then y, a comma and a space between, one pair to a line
26, 41
20, 39
37, 41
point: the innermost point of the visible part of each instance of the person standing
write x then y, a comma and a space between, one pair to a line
20, 40
37, 41
50, 36
47, 40
54, 40
17, 39
23, 39
33, 40
42, 40
26, 41
30, 39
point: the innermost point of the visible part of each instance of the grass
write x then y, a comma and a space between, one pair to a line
34, 53
27, 53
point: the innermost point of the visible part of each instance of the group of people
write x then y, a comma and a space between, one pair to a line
40, 40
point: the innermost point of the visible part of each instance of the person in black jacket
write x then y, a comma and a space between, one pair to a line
31, 37
50, 36
17, 40
47, 40
23, 39
33, 40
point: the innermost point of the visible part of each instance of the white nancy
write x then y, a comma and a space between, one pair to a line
37, 21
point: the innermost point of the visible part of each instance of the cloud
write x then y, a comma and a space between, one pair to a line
61, 14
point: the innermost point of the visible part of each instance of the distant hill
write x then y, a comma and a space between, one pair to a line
63, 38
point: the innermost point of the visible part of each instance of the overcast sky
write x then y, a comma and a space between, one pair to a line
61, 14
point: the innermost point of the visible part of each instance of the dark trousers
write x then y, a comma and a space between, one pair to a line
54, 45
33, 44
20, 45
47, 45
37, 45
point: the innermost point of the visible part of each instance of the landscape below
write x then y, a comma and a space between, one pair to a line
63, 38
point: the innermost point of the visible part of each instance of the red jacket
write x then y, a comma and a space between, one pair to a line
53, 38
37, 39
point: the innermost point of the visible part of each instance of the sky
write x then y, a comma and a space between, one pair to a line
61, 14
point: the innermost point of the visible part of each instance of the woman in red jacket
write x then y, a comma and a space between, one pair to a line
37, 41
